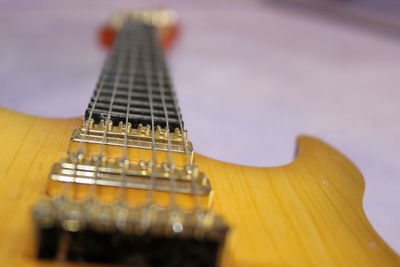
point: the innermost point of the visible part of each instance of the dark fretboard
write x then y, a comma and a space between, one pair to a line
134, 85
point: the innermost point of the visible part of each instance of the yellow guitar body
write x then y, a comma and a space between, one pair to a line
306, 213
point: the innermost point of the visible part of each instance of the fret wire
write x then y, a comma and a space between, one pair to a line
118, 107
140, 91
141, 103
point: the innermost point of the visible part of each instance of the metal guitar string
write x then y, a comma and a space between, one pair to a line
171, 164
132, 72
101, 156
188, 153
149, 86
80, 152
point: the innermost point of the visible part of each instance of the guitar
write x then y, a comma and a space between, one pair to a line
127, 188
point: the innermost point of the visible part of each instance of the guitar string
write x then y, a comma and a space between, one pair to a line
153, 162
148, 74
146, 53
171, 163
132, 72
189, 154
101, 157
81, 149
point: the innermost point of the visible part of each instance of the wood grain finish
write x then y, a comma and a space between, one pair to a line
306, 213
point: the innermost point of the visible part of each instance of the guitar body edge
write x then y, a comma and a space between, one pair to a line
306, 213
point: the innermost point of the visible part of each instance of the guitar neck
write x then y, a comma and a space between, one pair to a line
134, 86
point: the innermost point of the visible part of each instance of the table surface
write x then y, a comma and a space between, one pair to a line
250, 77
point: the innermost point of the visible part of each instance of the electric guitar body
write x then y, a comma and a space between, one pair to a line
108, 201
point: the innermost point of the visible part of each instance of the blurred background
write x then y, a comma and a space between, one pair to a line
250, 77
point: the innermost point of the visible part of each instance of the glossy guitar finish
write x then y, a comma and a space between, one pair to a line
307, 213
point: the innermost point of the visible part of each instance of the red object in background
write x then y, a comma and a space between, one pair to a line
169, 37
107, 36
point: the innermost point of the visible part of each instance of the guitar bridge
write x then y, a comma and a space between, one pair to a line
140, 236
141, 175
139, 137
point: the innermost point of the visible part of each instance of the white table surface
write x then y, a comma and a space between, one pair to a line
250, 78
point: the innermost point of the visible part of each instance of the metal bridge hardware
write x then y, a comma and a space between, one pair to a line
139, 137
188, 179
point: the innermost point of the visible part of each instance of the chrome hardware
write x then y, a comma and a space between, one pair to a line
136, 175
139, 137
74, 216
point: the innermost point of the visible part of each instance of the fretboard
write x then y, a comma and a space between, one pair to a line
134, 85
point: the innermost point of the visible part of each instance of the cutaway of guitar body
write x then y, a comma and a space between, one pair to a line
306, 213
